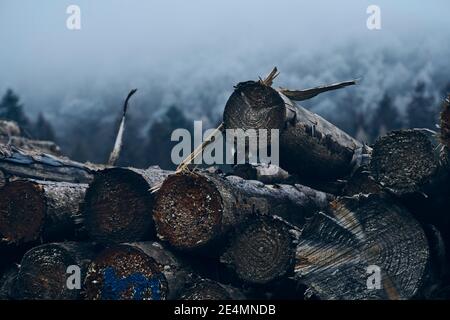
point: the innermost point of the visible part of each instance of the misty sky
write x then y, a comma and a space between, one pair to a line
182, 46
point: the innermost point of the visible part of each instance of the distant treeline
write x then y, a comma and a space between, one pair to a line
90, 138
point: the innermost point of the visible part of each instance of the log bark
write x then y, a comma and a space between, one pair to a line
118, 204
336, 249
206, 289
266, 173
26, 144
7, 282
309, 145
32, 210
410, 161
36, 165
43, 271
263, 250
137, 271
194, 209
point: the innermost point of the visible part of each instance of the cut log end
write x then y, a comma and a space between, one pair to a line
43, 274
125, 272
254, 105
405, 160
22, 212
262, 252
188, 202
363, 236
118, 206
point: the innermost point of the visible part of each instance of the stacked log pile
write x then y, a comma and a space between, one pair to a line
337, 220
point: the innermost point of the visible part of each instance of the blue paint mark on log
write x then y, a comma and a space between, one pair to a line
114, 286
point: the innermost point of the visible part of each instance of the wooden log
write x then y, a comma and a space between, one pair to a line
339, 251
43, 271
119, 203
206, 289
361, 181
7, 282
9, 128
136, 271
309, 145
266, 173
410, 161
15, 162
263, 250
32, 210
26, 144
195, 209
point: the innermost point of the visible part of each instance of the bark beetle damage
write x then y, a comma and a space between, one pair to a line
404, 160
118, 206
187, 202
262, 251
22, 212
124, 272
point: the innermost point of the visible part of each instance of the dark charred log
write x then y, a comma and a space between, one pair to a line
337, 250
194, 209
43, 272
32, 210
136, 271
206, 289
119, 204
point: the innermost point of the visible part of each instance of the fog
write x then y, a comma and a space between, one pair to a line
191, 53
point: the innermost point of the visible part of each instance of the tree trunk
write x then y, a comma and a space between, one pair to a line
194, 209
410, 161
35, 165
43, 272
206, 289
309, 145
32, 210
338, 254
263, 250
119, 204
137, 271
